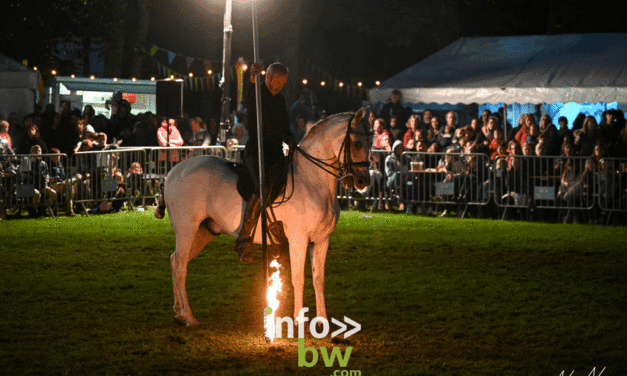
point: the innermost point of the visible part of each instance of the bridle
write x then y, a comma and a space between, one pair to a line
345, 168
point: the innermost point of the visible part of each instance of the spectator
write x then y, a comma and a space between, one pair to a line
88, 113
551, 135
299, 129
197, 136
523, 133
451, 119
214, 131
563, 130
393, 165
31, 140
241, 133
612, 123
61, 184
446, 138
397, 129
425, 122
80, 134
497, 139
413, 127
434, 130
381, 136
113, 103
121, 125
485, 116
393, 108
619, 148
5, 139
39, 176
533, 135
169, 136
586, 138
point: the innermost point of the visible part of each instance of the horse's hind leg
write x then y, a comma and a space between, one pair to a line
188, 245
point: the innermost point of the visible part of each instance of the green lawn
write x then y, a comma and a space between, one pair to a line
434, 296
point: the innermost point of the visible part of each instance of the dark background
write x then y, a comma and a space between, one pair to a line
350, 40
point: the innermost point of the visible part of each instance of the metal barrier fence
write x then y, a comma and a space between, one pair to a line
35, 182
131, 175
111, 176
443, 179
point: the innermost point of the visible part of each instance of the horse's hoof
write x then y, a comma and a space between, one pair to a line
191, 323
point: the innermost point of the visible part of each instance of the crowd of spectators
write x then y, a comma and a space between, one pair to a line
396, 129
502, 147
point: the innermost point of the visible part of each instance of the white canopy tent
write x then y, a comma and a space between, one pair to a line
531, 69
18, 88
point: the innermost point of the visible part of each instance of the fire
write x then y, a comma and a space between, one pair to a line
274, 288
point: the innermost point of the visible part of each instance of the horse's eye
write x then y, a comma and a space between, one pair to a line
357, 144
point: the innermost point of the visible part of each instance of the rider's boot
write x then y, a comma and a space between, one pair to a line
244, 243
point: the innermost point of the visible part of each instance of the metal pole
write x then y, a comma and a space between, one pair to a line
260, 147
225, 81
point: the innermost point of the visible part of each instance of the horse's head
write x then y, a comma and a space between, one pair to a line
357, 151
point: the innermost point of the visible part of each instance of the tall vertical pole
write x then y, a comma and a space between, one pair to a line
225, 81
262, 192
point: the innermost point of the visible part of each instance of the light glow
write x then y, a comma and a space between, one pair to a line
54, 72
322, 83
305, 81
377, 83
341, 84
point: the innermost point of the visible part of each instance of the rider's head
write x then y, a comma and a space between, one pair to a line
276, 77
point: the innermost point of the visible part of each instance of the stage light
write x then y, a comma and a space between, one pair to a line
92, 77
152, 78
73, 76
377, 83
359, 84
209, 71
341, 84
134, 79
305, 81
322, 83
191, 74
115, 79
244, 67
54, 72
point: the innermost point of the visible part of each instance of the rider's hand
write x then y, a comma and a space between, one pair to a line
255, 70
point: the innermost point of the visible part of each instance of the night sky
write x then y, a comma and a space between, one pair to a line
363, 40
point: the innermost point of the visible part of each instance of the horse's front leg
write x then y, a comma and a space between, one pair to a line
318, 259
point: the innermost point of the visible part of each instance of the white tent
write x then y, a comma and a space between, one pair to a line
18, 88
532, 69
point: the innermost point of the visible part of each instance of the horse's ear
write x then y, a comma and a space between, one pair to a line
358, 116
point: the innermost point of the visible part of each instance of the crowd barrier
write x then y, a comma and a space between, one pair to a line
567, 185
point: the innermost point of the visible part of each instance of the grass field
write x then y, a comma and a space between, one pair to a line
433, 296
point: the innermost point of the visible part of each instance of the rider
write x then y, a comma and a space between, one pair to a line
276, 130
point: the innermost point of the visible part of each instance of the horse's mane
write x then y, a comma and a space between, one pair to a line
321, 124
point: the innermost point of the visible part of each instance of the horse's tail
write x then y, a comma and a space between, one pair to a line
160, 212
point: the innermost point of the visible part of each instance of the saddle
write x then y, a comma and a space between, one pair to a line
276, 180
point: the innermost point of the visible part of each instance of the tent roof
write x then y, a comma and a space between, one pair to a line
16, 75
530, 69
105, 84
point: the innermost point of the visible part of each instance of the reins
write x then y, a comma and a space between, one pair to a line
341, 172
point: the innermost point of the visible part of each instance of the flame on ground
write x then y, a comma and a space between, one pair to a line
274, 288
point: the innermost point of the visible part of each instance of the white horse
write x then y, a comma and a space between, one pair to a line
202, 201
